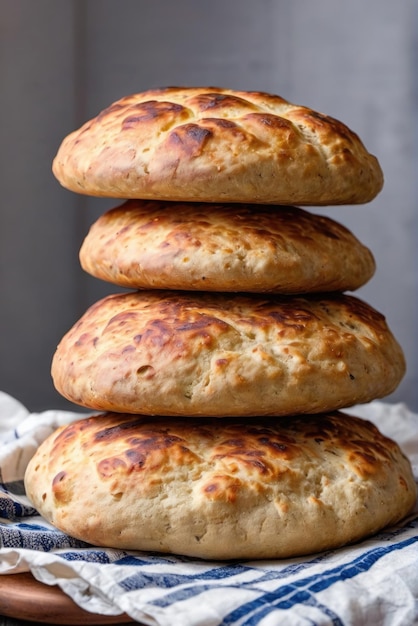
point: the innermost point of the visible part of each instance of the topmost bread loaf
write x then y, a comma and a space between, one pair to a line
209, 144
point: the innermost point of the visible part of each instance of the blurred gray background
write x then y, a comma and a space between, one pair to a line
61, 62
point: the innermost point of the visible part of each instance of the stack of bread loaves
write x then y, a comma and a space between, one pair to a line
221, 372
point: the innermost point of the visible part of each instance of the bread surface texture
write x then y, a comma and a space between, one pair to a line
230, 489
209, 144
224, 247
199, 353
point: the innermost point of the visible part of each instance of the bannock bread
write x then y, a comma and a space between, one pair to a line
207, 144
221, 247
235, 489
195, 354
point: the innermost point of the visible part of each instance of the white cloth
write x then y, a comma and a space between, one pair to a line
374, 582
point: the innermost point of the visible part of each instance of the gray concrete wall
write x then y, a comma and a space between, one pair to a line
63, 61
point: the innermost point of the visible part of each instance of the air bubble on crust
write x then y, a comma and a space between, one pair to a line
145, 369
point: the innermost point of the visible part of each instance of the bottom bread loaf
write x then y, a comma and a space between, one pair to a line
248, 488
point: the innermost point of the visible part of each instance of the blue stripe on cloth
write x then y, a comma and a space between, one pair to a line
302, 591
36, 537
154, 558
139, 580
89, 555
12, 510
166, 580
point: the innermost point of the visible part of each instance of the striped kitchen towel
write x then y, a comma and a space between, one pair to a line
374, 582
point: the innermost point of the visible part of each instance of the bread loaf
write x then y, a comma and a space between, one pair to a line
221, 489
217, 145
195, 354
218, 247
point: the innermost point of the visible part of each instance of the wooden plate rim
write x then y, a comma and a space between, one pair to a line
23, 597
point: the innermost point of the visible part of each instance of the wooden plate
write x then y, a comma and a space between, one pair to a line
23, 597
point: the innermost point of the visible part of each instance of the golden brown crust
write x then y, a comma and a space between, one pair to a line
185, 353
221, 489
206, 144
220, 247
